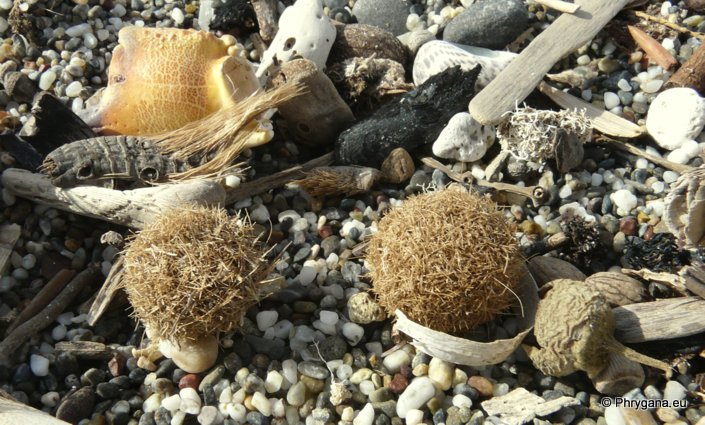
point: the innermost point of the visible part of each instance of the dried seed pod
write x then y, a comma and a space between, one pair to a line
620, 376
617, 288
545, 269
583, 338
341, 180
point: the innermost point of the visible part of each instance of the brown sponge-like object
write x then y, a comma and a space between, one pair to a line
194, 273
447, 259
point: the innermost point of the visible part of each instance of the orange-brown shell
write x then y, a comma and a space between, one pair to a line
162, 78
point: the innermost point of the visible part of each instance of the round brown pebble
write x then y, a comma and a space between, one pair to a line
629, 226
72, 244
76, 406
483, 385
398, 384
190, 380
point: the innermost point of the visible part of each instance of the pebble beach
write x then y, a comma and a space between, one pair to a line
299, 357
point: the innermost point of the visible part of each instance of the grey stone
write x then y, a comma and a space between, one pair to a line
489, 23
386, 14
313, 370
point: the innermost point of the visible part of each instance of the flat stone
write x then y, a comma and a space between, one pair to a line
489, 23
386, 14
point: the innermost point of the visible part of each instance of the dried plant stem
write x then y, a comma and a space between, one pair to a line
561, 6
653, 48
670, 25
616, 144
52, 288
273, 181
16, 338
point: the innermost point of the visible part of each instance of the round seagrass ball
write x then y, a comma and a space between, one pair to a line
194, 273
447, 259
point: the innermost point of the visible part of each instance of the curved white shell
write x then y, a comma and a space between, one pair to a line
676, 116
304, 31
437, 56
464, 139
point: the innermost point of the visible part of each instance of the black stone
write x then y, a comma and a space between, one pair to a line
232, 14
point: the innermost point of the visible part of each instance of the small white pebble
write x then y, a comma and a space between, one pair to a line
583, 60
47, 79
50, 399
266, 319
366, 415
658, 187
262, 404
414, 417
74, 89
611, 100
58, 333
39, 365
670, 176
642, 164
171, 403
178, 16
624, 85
652, 86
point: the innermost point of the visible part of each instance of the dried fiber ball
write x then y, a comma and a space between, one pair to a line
447, 259
194, 273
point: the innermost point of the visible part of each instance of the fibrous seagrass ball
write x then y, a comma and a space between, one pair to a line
193, 273
447, 259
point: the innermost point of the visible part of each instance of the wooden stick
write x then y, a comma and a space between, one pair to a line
52, 288
13, 412
616, 144
108, 291
566, 34
9, 234
267, 16
36, 324
692, 73
653, 48
561, 6
264, 184
668, 24
604, 121
86, 349
132, 208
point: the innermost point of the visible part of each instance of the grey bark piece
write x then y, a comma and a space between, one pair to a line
657, 320
520, 406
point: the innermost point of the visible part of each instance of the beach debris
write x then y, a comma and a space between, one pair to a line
365, 82
583, 339
659, 320
675, 118
14, 412
464, 139
12, 342
545, 269
520, 406
467, 350
304, 32
397, 167
436, 56
460, 281
561, 6
583, 240
602, 120
131, 208
233, 15
691, 73
690, 279
620, 376
625, 147
617, 288
267, 13
339, 180
365, 41
565, 35
9, 234
684, 211
319, 114
363, 309
660, 253
186, 296
409, 121
653, 49
540, 135
162, 78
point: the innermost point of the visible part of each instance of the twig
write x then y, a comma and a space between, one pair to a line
44, 297
653, 48
616, 144
670, 25
9, 234
561, 6
264, 184
16, 338
107, 292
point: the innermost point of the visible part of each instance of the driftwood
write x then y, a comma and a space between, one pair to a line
653, 49
108, 292
689, 278
566, 34
132, 208
691, 74
658, 320
561, 6
604, 121
9, 234
13, 412
86, 349
663, 162
16, 338
520, 406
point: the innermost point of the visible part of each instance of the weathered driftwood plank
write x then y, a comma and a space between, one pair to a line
657, 320
15, 413
86, 349
567, 33
132, 208
8, 236
604, 121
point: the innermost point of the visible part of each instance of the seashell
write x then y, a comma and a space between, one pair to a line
363, 41
162, 78
675, 117
304, 32
318, 115
464, 139
436, 56
684, 211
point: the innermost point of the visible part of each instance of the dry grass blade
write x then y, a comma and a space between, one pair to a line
653, 48
224, 134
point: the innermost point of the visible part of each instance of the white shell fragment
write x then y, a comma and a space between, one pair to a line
464, 139
684, 211
675, 117
436, 56
304, 32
